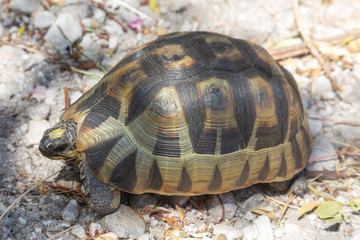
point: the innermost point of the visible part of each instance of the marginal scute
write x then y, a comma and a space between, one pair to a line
216, 180
185, 181
124, 174
155, 180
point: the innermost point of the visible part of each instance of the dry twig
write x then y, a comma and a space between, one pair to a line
287, 204
312, 48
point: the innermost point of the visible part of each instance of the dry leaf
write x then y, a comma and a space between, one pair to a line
328, 209
307, 207
23, 174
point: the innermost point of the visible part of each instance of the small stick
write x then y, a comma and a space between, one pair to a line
67, 99
313, 50
26, 48
287, 204
60, 233
134, 10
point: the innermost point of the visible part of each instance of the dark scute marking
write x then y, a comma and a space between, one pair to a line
231, 141
307, 137
175, 57
155, 66
290, 79
167, 145
142, 97
93, 99
283, 168
244, 175
245, 111
206, 143
231, 65
193, 109
294, 128
221, 47
96, 155
296, 153
281, 107
248, 52
124, 174
216, 180
155, 180
108, 106
215, 98
199, 50
135, 56
267, 137
185, 183
265, 170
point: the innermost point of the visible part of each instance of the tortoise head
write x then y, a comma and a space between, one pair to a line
59, 142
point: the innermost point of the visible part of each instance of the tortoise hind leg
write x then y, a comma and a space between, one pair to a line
101, 197
297, 185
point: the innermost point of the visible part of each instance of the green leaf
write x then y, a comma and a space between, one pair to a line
356, 204
307, 207
21, 31
337, 218
328, 209
153, 6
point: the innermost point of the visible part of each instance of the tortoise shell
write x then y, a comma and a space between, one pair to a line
192, 113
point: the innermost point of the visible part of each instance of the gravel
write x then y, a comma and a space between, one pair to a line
35, 67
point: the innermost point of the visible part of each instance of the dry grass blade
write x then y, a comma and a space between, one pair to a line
182, 215
134, 10
22, 195
313, 50
60, 233
287, 204
30, 49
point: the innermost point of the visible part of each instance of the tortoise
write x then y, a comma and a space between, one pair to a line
190, 113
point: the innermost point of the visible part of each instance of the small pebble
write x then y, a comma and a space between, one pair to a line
71, 211
78, 231
125, 223
42, 19
228, 231
11, 147
278, 233
95, 228
22, 220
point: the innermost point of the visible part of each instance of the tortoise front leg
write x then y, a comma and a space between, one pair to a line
101, 197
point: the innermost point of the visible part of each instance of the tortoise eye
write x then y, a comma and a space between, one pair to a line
60, 148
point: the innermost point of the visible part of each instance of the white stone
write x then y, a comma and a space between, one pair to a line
95, 227
91, 47
71, 211
36, 130
22, 221
42, 19
264, 226
26, 6
113, 43
250, 232
325, 154
11, 147
278, 233
125, 223
70, 27
78, 231
229, 231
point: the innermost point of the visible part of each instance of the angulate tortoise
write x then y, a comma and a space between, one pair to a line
187, 114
